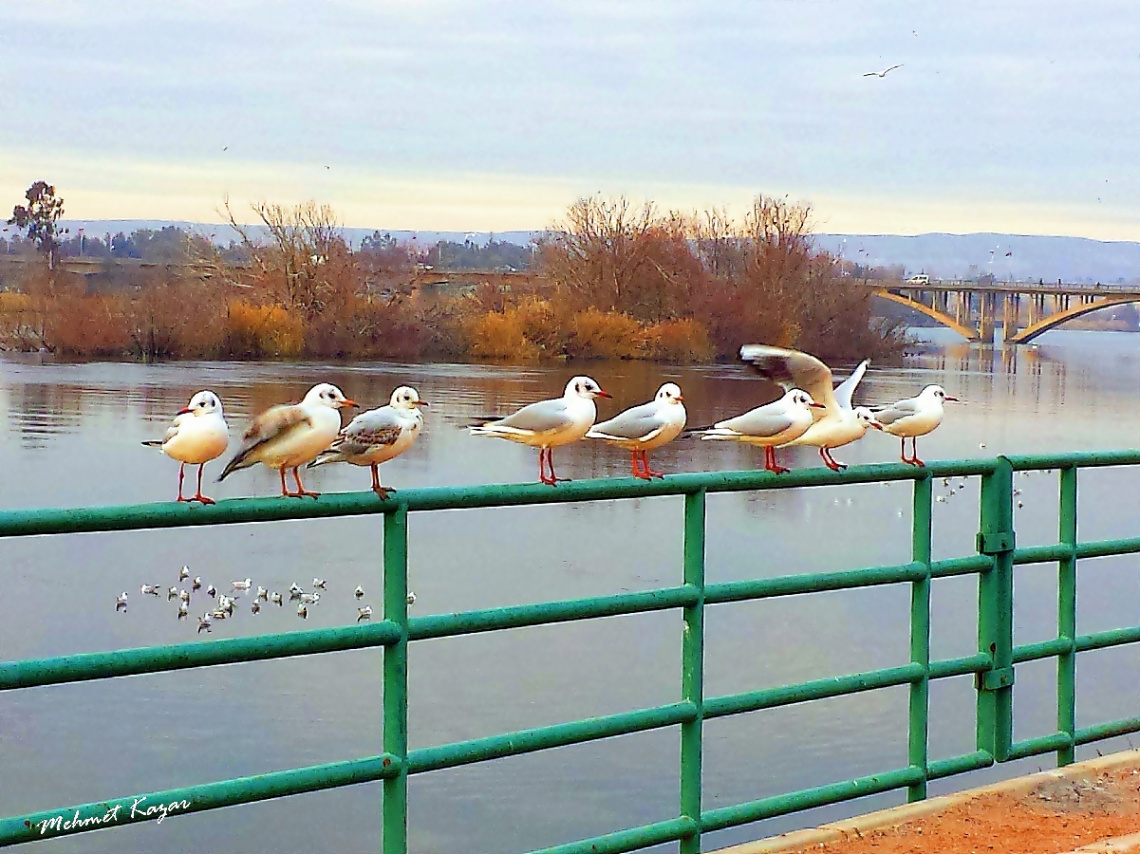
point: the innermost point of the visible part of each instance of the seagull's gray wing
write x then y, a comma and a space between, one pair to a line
638, 422
792, 369
368, 430
761, 422
902, 409
845, 391
538, 417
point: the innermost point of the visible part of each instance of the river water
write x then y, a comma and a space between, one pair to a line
70, 434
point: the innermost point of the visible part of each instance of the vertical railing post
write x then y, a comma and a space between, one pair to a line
692, 667
995, 613
1067, 612
395, 797
917, 748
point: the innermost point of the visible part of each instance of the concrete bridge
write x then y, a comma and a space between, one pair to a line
1024, 310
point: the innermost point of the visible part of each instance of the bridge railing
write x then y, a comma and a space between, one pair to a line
993, 665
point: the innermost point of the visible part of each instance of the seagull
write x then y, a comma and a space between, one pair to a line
838, 424
262, 593
183, 596
319, 583
255, 606
302, 612
290, 435
358, 592
183, 610
914, 417
204, 623
378, 435
218, 614
121, 601
549, 423
883, 73
770, 425
199, 434
643, 428
149, 589
171, 592
197, 585
411, 598
364, 613
184, 573
211, 590
310, 598
276, 599
241, 585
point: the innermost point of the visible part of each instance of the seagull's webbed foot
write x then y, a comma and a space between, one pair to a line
383, 491
301, 491
204, 499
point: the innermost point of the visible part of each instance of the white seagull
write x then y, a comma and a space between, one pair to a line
839, 423
151, 589
121, 601
275, 598
262, 593
290, 435
364, 613
183, 610
199, 434
241, 585
320, 583
358, 592
379, 435
770, 425
302, 612
549, 423
643, 428
184, 573
914, 417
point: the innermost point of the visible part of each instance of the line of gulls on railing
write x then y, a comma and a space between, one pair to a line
226, 604
306, 434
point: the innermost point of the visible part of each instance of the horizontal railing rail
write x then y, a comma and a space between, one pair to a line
993, 666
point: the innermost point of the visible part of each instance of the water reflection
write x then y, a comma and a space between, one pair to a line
71, 437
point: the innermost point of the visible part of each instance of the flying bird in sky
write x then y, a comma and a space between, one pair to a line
883, 73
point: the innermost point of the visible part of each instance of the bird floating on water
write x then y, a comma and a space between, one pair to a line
358, 592
149, 589
302, 612
184, 573
276, 598
121, 601
241, 585
171, 592
319, 583
199, 434
364, 613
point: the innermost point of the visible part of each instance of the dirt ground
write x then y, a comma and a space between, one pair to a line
1055, 816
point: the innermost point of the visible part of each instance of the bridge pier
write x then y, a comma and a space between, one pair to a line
1011, 309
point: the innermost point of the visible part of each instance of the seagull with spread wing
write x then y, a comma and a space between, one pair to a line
838, 424
290, 435
883, 73
549, 423
379, 435
198, 434
643, 428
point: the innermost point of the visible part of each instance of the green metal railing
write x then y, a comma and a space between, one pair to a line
993, 666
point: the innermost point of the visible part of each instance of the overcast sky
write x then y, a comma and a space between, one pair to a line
1011, 117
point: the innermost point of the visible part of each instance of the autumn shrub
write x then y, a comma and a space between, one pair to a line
599, 334
684, 340
500, 335
258, 331
89, 326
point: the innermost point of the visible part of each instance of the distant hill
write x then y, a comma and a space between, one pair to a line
1072, 259
945, 256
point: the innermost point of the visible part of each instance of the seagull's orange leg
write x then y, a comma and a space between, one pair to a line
198, 496
301, 491
376, 487
634, 467
181, 475
914, 452
649, 473
284, 489
770, 461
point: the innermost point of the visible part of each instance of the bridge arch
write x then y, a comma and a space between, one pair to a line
1045, 324
967, 332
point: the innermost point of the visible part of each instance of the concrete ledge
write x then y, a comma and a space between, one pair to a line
840, 830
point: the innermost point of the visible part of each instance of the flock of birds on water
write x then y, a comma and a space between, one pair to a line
288, 437
225, 605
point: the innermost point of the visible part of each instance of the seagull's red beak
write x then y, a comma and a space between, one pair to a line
679, 398
349, 403
604, 394
815, 405
185, 410
876, 425
421, 403
948, 397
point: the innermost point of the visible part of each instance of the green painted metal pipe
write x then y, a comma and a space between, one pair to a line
1042, 554
1080, 459
951, 567
1098, 732
960, 666
629, 840
1042, 649
938, 768
818, 582
1111, 637
806, 799
157, 806
1042, 744
156, 659
819, 689
1106, 548
1066, 614
73, 520
558, 735
918, 702
493, 619
394, 798
693, 670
